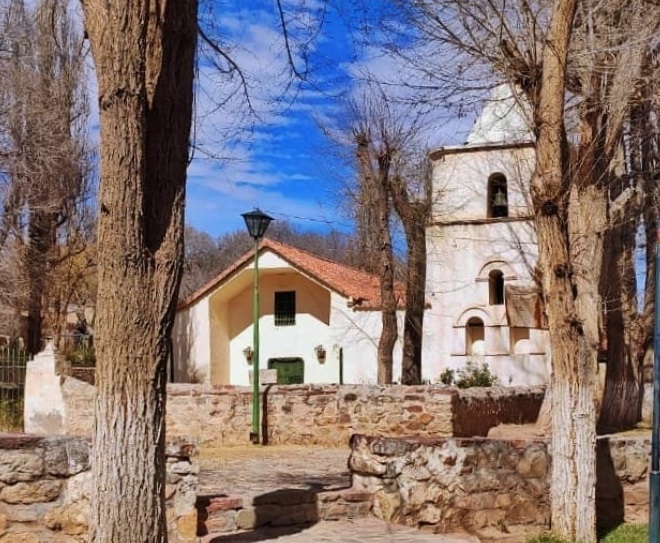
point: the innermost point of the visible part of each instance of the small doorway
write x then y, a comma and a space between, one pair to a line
290, 371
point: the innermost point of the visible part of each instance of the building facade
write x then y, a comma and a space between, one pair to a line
484, 304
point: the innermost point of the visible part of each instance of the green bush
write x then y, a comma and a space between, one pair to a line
81, 356
448, 376
469, 376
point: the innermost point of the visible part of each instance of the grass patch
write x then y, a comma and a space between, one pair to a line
625, 533
628, 533
11, 415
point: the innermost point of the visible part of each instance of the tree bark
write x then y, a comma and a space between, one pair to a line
573, 372
40, 243
144, 57
621, 407
413, 327
374, 174
413, 216
389, 331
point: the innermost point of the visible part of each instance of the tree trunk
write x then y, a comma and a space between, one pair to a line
389, 331
573, 364
144, 56
374, 171
621, 407
413, 327
36, 262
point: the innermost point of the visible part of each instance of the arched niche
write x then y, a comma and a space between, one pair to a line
475, 337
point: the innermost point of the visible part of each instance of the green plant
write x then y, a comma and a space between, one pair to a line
81, 356
469, 376
11, 415
628, 533
624, 533
447, 377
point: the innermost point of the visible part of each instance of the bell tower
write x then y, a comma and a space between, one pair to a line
482, 251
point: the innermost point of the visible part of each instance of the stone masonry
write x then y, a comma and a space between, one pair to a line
46, 485
477, 485
322, 415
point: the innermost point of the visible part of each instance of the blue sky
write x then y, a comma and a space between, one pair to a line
274, 155
277, 160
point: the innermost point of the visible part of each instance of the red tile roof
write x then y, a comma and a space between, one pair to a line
359, 286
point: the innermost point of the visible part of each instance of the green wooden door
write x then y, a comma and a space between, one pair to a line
290, 371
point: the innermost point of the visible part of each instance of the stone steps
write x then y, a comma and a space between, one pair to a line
223, 514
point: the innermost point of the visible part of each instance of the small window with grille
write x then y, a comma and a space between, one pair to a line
285, 308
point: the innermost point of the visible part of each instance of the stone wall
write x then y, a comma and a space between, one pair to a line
326, 415
484, 486
45, 490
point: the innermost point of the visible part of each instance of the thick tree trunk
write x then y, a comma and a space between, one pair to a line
621, 407
573, 362
144, 56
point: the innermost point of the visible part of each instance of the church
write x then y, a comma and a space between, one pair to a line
485, 306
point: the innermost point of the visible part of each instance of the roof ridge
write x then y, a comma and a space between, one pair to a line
319, 257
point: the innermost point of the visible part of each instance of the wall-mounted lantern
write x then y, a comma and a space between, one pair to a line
248, 352
320, 353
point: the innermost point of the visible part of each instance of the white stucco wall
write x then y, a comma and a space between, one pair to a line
211, 335
191, 343
357, 332
460, 181
311, 328
463, 247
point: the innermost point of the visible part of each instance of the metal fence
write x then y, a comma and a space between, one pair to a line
12, 388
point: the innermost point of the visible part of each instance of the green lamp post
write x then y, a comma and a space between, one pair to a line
257, 223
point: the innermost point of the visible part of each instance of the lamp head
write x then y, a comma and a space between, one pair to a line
257, 223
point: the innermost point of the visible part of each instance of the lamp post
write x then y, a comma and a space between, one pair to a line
257, 223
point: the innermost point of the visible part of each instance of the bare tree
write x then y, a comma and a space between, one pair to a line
396, 182
43, 112
144, 57
144, 54
588, 57
374, 161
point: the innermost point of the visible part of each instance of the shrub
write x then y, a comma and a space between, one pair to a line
81, 356
448, 376
469, 376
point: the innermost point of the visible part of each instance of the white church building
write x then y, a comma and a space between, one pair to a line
481, 247
321, 321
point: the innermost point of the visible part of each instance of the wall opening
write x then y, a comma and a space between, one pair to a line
475, 337
285, 308
498, 198
520, 340
496, 288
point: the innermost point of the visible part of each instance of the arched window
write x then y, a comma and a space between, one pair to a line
498, 205
475, 337
496, 288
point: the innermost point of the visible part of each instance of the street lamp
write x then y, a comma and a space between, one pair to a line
257, 223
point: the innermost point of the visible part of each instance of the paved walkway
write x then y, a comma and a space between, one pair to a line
254, 470
365, 530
